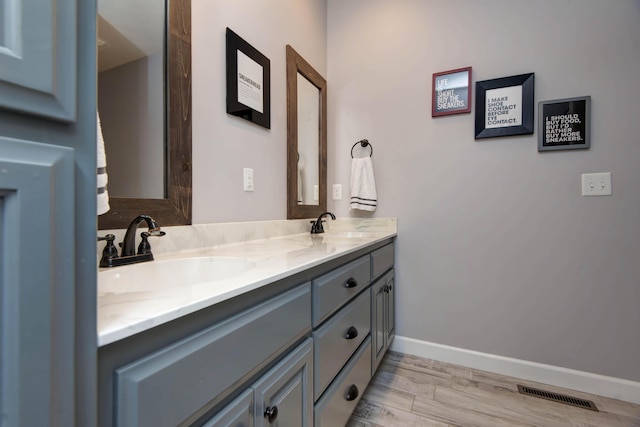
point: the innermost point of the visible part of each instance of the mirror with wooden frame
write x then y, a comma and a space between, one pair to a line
175, 207
306, 139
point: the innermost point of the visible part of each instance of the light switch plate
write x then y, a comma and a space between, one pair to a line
596, 184
337, 191
248, 179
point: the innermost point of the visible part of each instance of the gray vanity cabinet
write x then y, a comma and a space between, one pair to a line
284, 395
175, 384
239, 413
337, 404
382, 317
288, 354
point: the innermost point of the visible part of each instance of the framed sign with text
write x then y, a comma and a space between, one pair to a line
451, 92
248, 81
504, 106
564, 124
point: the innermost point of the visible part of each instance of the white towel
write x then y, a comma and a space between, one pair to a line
103, 194
363, 185
300, 173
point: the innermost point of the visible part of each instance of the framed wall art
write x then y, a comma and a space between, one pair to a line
504, 106
451, 92
248, 81
564, 124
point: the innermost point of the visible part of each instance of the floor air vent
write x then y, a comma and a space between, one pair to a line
562, 398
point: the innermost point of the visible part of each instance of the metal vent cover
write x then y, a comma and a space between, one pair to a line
556, 397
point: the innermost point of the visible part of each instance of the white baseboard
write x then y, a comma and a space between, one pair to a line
572, 379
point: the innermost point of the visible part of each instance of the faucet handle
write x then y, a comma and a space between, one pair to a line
144, 247
110, 251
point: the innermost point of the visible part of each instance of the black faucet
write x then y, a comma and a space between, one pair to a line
128, 254
316, 226
129, 243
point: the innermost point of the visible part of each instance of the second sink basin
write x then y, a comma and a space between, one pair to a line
163, 274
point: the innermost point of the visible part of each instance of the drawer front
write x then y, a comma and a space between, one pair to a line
337, 405
169, 386
382, 260
338, 339
334, 289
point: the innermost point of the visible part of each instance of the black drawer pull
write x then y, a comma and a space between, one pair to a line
390, 287
385, 289
351, 283
352, 393
271, 413
352, 332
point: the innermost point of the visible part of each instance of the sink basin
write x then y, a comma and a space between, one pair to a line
172, 273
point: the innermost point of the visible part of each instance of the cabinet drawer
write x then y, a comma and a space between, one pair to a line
382, 260
167, 387
338, 339
338, 403
334, 289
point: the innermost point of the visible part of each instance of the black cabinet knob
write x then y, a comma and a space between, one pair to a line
390, 288
385, 289
352, 332
351, 283
271, 413
352, 393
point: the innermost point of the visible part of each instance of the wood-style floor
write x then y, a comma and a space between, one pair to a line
410, 391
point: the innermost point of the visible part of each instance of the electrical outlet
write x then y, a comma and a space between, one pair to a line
248, 179
596, 184
337, 191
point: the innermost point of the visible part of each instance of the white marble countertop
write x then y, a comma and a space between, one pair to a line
273, 256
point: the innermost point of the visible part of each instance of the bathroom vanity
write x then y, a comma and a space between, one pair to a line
292, 341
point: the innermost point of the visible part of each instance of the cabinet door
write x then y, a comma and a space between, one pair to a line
238, 413
390, 304
47, 213
378, 322
284, 395
38, 58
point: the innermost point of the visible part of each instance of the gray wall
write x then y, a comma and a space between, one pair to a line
497, 250
131, 107
223, 144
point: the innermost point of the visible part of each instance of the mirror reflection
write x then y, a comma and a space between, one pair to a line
308, 142
151, 27
131, 95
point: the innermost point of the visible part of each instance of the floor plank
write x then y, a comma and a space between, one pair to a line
412, 391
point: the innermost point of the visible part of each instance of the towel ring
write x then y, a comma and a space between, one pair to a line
363, 143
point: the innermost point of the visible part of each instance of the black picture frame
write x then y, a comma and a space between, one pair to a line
504, 106
451, 92
253, 101
564, 124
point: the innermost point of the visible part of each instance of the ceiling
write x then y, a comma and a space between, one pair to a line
129, 30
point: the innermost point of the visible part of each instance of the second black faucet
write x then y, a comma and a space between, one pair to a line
316, 226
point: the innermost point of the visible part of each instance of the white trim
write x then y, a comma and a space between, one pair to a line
587, 382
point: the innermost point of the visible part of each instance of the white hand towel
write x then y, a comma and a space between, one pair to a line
300, 173
103, 194
363, 185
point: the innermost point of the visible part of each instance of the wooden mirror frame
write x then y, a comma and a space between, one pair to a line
296, 64
176, 208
